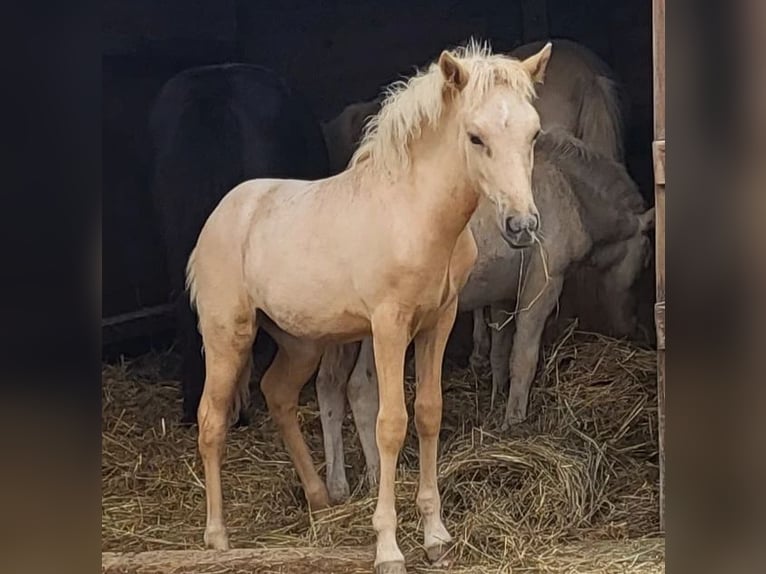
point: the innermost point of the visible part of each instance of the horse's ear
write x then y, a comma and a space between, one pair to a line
455, 75
537, 63
646, 220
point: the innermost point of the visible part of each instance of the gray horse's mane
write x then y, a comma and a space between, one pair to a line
598, 176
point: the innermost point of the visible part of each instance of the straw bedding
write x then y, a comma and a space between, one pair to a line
573, 489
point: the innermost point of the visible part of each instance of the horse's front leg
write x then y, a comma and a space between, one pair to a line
481, 340
526, 350
429, 355
332, 378
390, 339
502, 340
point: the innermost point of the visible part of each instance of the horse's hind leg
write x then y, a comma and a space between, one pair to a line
281, 385
363, 397
193, 366
332, 378
228, 344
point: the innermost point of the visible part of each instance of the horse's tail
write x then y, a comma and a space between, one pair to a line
191, 278
600, 122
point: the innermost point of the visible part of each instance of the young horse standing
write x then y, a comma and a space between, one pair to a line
382, 249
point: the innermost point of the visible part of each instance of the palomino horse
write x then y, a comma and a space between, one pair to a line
381, 249
590, 210
212, 128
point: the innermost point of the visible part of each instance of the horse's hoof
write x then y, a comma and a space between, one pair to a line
511, 421
478, 363
318, 500
242, 422
438, 555
390, 568
216, 538
372, 478
338, 492
188, 419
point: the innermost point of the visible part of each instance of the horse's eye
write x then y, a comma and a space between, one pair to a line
475, 140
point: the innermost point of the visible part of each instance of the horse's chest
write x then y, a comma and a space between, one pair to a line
440, 288
437, 294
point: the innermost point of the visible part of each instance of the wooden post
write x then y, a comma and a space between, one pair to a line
284, 559
659, 195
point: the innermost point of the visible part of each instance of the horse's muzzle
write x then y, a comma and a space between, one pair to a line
520, 230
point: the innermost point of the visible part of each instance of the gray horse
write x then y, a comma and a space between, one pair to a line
591, 213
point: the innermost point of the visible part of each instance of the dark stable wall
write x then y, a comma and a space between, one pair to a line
336, 53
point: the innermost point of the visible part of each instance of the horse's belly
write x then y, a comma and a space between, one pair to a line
309, 306
309, 323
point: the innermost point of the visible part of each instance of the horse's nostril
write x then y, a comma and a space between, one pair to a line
521, 223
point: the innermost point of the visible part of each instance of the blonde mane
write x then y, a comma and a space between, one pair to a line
410, 106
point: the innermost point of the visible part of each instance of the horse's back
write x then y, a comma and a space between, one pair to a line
568, 60
580, 95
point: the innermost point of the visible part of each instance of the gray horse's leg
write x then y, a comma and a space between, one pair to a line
363, 397
500, 350
481, 340
332, 378
526, 350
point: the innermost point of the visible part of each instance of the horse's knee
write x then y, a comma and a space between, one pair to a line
428, 415
391, 429
277, 402
281, 402
211, 418
427, 501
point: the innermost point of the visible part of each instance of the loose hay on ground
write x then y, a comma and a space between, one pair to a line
581, 472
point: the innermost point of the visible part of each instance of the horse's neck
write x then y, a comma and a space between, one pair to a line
593, 187
439, 183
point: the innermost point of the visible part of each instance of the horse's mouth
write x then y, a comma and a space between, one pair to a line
520, 240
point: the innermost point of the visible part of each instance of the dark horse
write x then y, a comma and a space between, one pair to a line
213, 127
